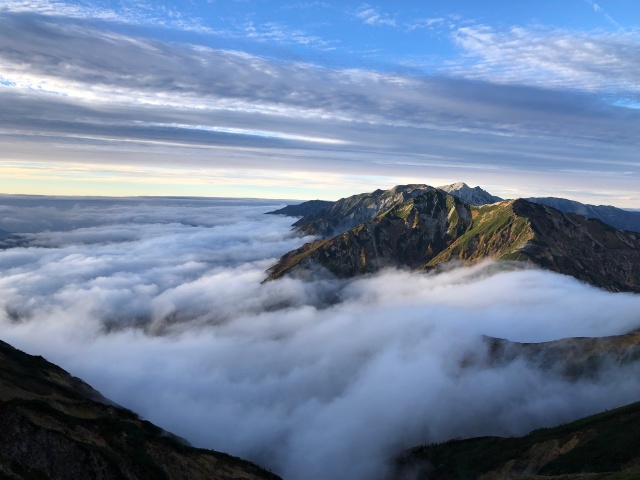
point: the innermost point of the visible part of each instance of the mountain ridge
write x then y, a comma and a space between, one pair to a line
616, 217
475, 196
434, 227
621, 219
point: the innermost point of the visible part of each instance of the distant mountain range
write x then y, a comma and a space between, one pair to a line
54, 425
616, 217
421, 227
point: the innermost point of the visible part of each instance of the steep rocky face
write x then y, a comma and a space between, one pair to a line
616, 217
333, 218
435, 228
584, 248
475, 196
497, 231
350, 212
56, 426
409, 234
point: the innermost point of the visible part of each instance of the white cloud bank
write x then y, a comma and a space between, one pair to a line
158, 304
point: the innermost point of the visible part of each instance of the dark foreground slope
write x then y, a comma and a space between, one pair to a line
604, 446
434, 227
56, 426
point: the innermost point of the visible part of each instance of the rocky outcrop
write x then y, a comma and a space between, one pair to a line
475, 196
347, 213
350, 212
56, 426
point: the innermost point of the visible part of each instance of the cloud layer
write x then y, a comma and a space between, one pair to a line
520, 108
600, 62
158, 304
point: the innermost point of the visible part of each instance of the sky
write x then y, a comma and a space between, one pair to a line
319, 99
159, 304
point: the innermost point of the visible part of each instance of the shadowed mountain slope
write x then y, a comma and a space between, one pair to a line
601, 447
56, 426
435, 227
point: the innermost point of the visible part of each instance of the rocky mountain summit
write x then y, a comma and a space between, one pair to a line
349, 212
421, 227
327, 219
56, 426
475, 196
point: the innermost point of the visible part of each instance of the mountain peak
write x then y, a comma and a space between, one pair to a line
352, 211
475, 196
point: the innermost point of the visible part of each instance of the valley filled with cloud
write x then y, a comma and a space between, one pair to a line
159, 304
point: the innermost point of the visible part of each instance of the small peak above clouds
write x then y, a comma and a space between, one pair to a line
475, 196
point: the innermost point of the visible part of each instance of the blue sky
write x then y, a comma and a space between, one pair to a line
320, 99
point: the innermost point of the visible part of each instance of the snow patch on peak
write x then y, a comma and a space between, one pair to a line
474, 196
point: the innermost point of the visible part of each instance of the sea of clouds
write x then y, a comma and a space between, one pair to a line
158, 303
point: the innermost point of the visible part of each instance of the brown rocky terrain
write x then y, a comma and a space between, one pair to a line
433, 228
